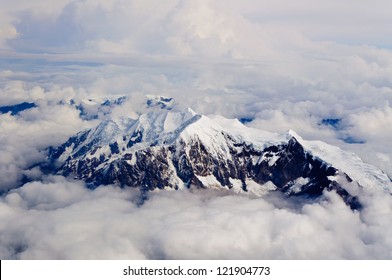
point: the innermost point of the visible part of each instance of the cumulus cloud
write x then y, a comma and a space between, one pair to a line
24, 138
61, 219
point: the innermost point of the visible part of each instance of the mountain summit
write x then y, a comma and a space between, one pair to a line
170, 147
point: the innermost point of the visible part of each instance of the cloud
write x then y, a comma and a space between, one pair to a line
10, 16
372, 123
195, 27
25, 137
61, 219
349, 22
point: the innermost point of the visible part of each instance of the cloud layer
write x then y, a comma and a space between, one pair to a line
60, 219
192, 27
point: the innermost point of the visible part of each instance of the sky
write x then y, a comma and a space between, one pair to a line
281, 64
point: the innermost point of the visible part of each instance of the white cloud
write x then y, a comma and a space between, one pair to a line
353, 22
372, 124
60, 219
196, 27
25, 137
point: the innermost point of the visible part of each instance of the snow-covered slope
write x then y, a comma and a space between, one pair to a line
365, 174
170, 147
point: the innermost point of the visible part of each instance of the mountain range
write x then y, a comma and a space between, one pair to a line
172, 147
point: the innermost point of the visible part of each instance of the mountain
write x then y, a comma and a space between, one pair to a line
94, 108
170, 147
17, 108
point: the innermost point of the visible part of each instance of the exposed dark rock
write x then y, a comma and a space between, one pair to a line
158, 167
17, 108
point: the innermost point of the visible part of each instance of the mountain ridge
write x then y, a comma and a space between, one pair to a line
170, 147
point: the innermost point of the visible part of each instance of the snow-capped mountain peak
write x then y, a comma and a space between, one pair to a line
173, 147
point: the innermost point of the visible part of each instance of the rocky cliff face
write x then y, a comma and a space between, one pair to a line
175, 148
